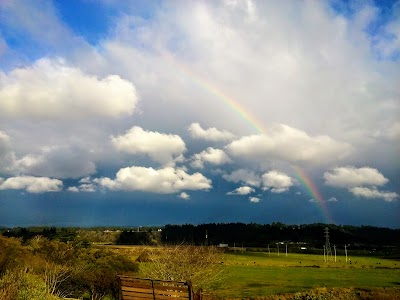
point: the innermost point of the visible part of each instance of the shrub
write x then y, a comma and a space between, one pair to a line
199, 264
12, 254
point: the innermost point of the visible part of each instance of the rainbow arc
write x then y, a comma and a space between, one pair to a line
304, 179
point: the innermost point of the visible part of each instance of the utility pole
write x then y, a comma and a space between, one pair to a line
277, 244
334, 247
345, 251
324, 254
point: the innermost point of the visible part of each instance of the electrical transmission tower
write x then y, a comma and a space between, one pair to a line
328, 245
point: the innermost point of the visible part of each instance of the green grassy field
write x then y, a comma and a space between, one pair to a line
258, 274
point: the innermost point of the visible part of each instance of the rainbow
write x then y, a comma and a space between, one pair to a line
254, 123
210, 88
314, 192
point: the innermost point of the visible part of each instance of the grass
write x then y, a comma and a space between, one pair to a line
257, 274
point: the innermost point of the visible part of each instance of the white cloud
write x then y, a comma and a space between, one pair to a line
242, 175
289, 144
87, 187
210, 155
209, 134
277, 181
51, 89
332, 199
388, 42
361, 182
351, 176
4, 141
84, 187
184, 195
7, 157
59, 162
165, 181
254, 199
39, 21
73, 189
373, 193
85, 180
215, 46
243, 190
32, 184
392, 132
160, 147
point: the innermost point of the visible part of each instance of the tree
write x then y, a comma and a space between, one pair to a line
199, 264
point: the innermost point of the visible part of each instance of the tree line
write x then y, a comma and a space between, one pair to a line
248, 235
261, 235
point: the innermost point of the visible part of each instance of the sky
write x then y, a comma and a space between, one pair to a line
135, 113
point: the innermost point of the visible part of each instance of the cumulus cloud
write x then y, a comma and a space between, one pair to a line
361, 182
243, 190
87, 187
209, 134
289, 144
184, 195
59, 162
248, 177
32, 184
164, 181
73, 189
210, 155
160, 147
84, 187
54, 161
277, 182
367, 192
51, 89
351, 176
332, 199
86, 179
254, 199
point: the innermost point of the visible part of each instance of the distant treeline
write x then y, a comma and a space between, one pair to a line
257, 235
51, 233
248, 235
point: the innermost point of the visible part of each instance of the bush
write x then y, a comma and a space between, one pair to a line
12, 254
199, 264
99, 277
144, 257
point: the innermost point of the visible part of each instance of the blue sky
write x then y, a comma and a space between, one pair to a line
145, 113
